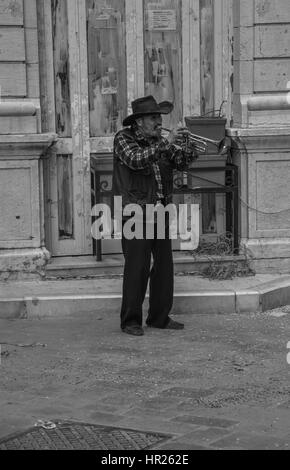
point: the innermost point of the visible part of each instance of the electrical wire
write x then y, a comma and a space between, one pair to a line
259, 211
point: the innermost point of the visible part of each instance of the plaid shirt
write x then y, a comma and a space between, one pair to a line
144, 152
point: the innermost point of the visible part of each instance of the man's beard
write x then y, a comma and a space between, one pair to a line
154, 136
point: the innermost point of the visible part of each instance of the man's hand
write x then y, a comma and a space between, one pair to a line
178, 136
182, 138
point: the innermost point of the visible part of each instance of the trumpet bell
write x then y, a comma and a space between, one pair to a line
224, 146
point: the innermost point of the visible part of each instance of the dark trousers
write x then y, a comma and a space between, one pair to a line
137, 272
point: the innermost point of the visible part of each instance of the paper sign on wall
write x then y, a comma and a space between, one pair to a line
162, 20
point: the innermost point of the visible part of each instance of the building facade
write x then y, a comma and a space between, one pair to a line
69, 70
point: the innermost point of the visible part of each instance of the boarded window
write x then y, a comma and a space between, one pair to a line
107, 65
163, 54
61, 67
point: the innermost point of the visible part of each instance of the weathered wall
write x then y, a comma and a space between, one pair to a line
263, 157
22, 251
19, 69
261, 58
262, 134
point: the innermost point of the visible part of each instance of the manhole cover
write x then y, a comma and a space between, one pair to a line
80, 436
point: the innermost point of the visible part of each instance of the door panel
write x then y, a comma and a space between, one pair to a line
61, 63
163, 55
107, 91
207, 71
69, 176
107, 75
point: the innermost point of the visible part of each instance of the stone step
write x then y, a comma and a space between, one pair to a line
87, 266
193, 295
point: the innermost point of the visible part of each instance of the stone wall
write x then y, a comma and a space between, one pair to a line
22, 248
19, 63
261, 130
261, 59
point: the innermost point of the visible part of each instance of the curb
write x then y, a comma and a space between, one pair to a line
258, 299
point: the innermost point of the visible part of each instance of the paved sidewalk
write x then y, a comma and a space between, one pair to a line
222, 383
193, 295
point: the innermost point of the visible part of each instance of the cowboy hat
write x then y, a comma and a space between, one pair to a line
147, 105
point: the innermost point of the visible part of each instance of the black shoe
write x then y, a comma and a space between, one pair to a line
174, 325
134, 330
171, 325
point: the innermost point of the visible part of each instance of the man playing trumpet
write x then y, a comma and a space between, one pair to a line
143, 174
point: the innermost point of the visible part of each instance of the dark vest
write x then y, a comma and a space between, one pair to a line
140, 186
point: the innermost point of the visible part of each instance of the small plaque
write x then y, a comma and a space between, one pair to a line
162, 20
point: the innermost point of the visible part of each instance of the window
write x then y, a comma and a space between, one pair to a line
163, 54
107, 75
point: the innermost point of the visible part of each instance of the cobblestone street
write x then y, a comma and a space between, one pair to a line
222, 383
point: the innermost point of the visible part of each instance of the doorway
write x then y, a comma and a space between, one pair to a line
96, 57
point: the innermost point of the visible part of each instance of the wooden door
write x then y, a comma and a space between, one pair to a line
132, 52
64, 105
171, 49
100, 55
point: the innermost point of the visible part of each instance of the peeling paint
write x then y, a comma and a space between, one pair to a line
232, 82
263, 7
24, 312
23, 265
61, 68
192, 13
14, 8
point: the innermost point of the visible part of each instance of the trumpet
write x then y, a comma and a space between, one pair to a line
201, 143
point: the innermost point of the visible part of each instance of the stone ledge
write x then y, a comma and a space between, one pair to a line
260, 139
29, 145
266, 248
258, 131
17, 108
269, 102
